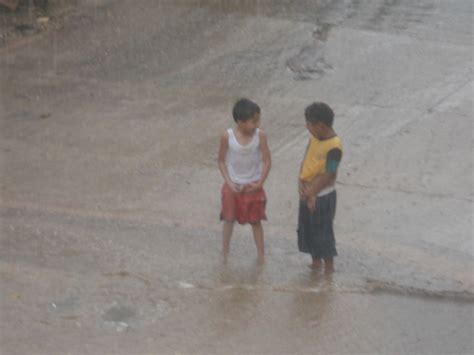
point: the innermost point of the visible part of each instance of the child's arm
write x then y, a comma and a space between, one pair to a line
223, 147
301, 183
319, 183
316, 185
266, 163
266, 158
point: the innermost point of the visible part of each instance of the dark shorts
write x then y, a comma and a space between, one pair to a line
315, 229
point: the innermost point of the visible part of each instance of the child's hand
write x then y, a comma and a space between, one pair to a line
254, 186
301, 190
304, 190
311, 202
235, 187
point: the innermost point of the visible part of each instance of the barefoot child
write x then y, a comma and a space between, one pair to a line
244, 161
316, 187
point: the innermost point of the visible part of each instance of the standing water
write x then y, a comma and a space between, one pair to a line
110, 190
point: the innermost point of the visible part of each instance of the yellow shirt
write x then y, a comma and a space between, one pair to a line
315, 160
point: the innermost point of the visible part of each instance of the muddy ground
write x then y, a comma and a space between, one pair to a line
111, 113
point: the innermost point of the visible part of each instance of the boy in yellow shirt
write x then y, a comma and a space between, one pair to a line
316, 187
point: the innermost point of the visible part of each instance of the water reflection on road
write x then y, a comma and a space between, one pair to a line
110, 190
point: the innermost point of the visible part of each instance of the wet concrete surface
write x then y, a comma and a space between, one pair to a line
110, 191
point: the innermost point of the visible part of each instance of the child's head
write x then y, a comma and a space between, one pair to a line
246, 114
244, 110
319, 119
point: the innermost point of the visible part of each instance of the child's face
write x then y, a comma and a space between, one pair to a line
316, 129
249, 126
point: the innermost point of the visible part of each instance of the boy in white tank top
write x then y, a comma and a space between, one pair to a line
244, 161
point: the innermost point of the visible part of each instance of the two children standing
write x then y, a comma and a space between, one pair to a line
245, 161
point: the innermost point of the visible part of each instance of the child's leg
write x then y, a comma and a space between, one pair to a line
317, 263
329, 264
258, 236
226, 235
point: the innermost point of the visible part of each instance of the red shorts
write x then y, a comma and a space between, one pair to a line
243, 207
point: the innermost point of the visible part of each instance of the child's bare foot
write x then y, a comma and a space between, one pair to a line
260, 259
329, 270
316, 265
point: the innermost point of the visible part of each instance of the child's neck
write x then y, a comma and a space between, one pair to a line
328, 134
244, 133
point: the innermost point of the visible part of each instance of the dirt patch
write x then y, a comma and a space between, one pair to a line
30, 18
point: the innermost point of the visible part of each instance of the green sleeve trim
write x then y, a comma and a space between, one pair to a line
333, 159
331, 166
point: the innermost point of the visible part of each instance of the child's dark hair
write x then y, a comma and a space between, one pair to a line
244, 109
319, 112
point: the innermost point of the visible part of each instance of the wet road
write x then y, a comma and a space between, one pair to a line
110, 121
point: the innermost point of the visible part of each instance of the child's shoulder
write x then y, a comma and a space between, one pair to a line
337, 143
224, 138
225, 134
333, 139
262, 137
337, 139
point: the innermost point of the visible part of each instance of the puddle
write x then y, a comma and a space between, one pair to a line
119, 314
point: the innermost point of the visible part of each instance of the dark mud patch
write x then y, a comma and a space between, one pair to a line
310, 62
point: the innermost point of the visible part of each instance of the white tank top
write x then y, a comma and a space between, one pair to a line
244, 162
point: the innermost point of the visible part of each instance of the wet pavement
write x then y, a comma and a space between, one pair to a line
110, 118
